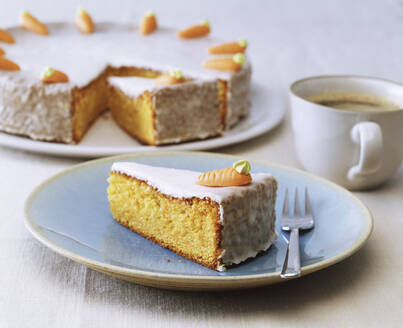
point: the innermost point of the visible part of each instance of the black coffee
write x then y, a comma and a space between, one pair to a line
355, 102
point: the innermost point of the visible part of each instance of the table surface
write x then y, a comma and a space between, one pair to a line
288, 40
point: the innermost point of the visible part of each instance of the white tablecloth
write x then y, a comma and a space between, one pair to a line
288, 40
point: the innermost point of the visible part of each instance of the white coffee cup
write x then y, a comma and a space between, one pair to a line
357, 150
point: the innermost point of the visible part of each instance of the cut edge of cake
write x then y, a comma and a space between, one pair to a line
210, 260
174, 113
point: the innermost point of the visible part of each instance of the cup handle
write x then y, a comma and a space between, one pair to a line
369, 136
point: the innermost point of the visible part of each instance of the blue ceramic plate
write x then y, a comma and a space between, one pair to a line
69, 213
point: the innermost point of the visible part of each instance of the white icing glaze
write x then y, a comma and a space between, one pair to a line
247, 212
133, 86
182, 183
82, 57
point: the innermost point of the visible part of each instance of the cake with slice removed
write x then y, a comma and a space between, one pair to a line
89, 53
215, 219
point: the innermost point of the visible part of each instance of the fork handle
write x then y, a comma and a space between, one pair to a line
292, 263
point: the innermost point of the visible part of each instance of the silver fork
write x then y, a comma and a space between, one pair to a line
292, 263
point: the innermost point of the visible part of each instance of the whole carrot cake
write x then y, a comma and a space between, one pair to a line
161, 85
216, 219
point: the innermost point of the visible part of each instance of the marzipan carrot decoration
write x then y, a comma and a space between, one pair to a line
195, 31
30, 23
8, 65
173, 77
6, 37
84, 21
148, 23
51, 75
237, 175
229, 48
230, 64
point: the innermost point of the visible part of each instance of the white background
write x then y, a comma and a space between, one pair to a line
288, 40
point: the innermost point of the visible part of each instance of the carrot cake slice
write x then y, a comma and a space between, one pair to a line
216, 219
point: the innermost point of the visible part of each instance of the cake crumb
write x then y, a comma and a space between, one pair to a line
181, 261
168, 260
